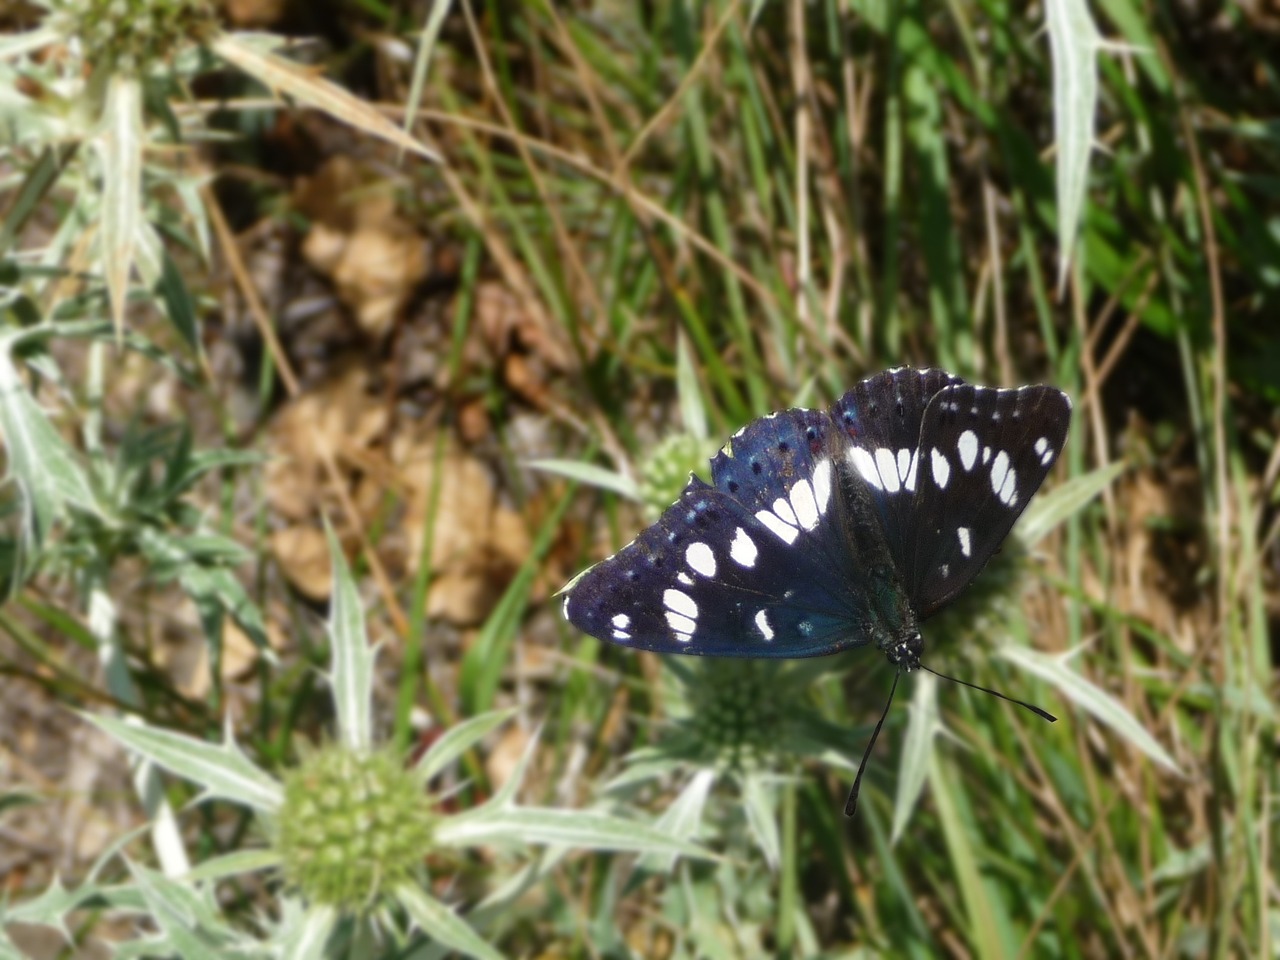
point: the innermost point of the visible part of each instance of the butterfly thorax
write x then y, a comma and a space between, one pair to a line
878, 599
890, 622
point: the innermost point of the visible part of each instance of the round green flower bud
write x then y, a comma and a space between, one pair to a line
351, 826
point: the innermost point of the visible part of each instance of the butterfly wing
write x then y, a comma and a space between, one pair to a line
825, 531
882, 417
983, 453
768, 561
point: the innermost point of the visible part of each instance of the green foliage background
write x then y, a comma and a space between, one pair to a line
712, 210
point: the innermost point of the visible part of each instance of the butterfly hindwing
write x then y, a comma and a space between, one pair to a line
704, 580
783, 470
983, 454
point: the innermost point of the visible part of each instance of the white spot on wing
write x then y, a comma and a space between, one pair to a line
967, 446
621, 621
822, 485
682, 626
1045, 451
804, 504
762, 624
999, 471
701, 559
907, 463
888, 470
621, 635
963, 534
685, 578
865, 464
941, 468
1008, 492
743, 550
784, 512
680, 602
784, 531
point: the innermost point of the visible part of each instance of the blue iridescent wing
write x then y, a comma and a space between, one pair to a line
779, 557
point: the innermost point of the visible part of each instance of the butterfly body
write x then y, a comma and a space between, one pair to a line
825, 530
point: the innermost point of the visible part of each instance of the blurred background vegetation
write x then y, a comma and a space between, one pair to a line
481, 282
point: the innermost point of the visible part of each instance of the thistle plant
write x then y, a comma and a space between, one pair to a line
92, 139
741, 729
118, 61
348, 832
356, 826
666, 470
740, 733
125, 36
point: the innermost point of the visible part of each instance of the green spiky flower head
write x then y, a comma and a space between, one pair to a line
353, 825
666, 471
131, 36
743, 716
740, 719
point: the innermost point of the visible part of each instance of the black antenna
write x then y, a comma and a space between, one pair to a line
851, 804
995, 693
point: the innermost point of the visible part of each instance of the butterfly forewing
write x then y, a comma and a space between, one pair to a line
882, 417
983, 454
768, 562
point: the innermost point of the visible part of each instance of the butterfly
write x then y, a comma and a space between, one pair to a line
826, 530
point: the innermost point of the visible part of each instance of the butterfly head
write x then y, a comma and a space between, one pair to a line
905, 652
